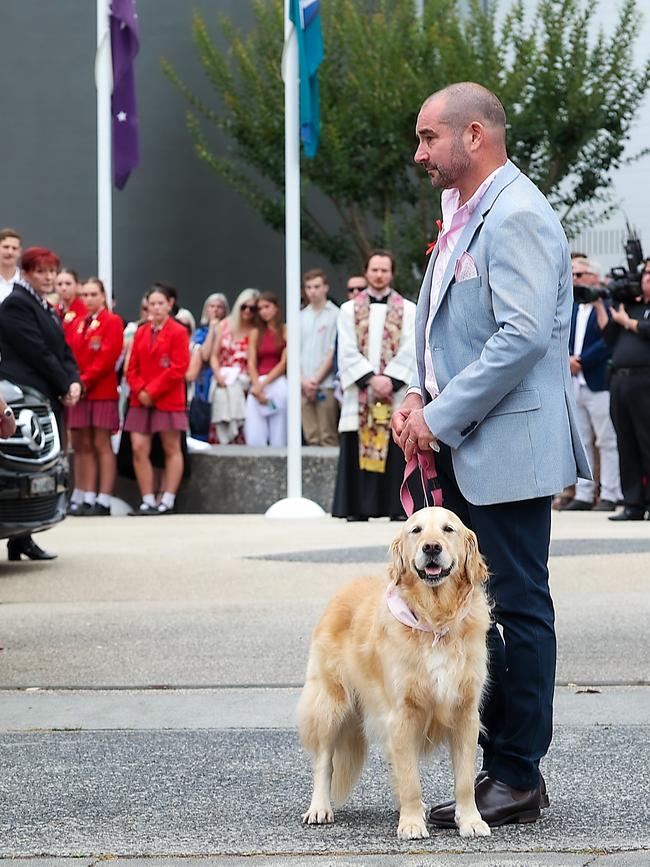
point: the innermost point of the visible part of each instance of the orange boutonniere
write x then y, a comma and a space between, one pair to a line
433, 243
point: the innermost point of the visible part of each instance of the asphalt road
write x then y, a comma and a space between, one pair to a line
148, 680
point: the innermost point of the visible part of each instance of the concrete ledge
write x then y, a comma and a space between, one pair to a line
238, 479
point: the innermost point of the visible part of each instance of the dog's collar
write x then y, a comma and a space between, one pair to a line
400, 611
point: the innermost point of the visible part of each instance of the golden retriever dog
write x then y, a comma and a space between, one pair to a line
411, 682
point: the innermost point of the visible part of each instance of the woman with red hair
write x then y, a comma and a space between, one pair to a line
33, 352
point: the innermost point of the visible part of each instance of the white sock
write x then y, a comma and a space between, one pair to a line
90, 497
77, 496
104, 500
168, 500
149, 499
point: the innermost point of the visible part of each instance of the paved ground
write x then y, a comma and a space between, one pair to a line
148, 681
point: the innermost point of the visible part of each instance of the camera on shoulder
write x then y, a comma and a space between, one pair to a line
623, 284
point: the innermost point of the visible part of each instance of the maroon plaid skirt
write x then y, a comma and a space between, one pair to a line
93, 413
149, 420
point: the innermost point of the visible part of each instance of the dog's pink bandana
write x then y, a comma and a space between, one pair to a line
400, 611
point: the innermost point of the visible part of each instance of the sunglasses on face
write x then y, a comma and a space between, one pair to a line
251, 307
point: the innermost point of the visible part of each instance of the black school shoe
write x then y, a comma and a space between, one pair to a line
146, 511
80, 510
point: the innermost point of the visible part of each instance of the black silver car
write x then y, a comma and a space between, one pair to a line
33, 468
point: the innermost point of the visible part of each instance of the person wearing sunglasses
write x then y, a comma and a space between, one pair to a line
229, 363
589, 358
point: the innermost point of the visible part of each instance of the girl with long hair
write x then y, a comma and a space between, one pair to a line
97, 345
160, 356
266, 404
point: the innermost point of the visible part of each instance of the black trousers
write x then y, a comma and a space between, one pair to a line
517, 712
361, 493
630, 411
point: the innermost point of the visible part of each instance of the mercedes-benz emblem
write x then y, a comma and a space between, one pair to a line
31, 429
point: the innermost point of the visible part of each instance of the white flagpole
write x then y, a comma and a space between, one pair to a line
294, 506
104, 85
292, 257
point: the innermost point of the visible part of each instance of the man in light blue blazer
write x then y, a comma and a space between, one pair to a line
494, 394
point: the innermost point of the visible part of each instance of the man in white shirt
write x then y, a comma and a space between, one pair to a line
10, 253
589, 357
317, 336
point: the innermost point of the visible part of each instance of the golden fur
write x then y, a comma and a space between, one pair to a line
370, 676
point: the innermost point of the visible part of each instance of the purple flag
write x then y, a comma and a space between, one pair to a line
125, 44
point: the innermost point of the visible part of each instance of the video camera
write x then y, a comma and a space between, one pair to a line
624, 286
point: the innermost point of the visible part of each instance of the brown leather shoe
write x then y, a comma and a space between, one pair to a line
544, 800
498, 804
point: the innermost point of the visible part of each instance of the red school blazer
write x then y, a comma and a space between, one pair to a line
159, 365
97, 345
72, 318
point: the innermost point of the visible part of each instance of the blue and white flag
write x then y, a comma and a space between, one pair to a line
305, 15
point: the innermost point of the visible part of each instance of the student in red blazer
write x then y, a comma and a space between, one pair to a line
71, 308
159, 360
97, 345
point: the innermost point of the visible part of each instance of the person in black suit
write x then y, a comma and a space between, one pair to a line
33, 352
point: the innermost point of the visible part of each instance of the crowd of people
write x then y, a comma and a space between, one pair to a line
162, 378
609, 358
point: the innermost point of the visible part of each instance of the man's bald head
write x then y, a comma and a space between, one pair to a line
467, 102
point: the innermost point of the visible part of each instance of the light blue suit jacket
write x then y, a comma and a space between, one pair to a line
499, 343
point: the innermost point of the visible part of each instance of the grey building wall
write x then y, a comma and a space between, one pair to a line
174, 221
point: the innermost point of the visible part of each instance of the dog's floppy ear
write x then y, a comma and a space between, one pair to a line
475, 567
397, 567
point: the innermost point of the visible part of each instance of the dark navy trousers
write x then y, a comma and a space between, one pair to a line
517, 712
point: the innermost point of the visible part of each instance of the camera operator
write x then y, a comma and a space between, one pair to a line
589, 356
628, 333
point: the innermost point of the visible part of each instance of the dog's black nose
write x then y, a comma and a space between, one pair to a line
432, 548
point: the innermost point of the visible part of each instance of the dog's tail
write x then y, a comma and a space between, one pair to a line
349, 757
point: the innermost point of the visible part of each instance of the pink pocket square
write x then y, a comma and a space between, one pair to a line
465, 268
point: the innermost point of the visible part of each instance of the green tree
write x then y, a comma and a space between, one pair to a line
571, 97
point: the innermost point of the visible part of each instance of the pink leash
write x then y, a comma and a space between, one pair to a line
423, 462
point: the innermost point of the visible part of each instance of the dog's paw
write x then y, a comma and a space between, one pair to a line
318, 815
412, 828
474, 827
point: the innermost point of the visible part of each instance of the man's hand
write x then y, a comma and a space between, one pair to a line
575, 365
145, 398
411, 401
309, 388
620, 316
381, 386
416, 434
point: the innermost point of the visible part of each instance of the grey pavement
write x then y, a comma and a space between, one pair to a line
149, 678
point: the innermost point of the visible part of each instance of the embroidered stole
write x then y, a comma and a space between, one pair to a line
375, 415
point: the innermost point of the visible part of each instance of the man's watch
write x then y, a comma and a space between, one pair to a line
7, 412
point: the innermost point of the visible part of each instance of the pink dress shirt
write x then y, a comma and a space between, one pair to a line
454, 220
